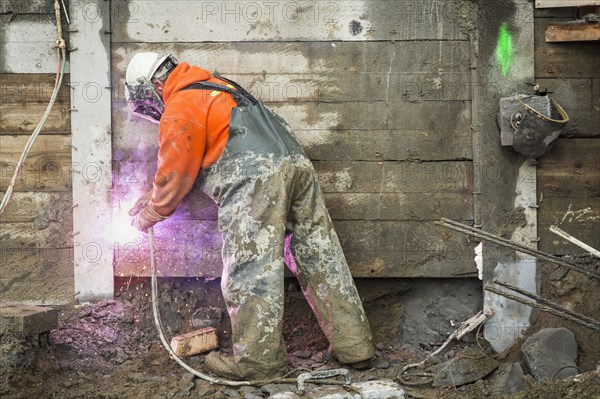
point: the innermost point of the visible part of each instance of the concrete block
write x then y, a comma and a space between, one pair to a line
380, 389
551, 353
195, 342
27, 319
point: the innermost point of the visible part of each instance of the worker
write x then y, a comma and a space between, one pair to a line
249, 162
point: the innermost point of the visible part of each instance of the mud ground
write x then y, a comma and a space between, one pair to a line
111, 350
578, 293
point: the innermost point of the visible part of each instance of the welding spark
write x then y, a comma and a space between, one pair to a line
120, 230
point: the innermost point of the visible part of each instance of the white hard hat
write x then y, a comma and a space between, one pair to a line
143, 65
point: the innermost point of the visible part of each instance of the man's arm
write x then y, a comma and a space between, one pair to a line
181, 150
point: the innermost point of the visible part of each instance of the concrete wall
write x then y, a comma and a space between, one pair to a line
378, 93
36, 247
505, 179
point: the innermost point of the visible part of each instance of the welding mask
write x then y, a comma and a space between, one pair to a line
140, 93
144, 101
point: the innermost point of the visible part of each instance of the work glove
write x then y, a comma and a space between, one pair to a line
141, 203
144, 215
147, 218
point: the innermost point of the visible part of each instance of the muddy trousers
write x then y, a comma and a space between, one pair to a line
260, 200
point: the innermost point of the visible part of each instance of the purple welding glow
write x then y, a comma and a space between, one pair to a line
120, 230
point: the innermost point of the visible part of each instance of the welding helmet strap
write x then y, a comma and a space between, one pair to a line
240, 89
240, 95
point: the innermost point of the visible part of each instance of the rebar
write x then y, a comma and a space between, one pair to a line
544, 301
555, 312
463, 228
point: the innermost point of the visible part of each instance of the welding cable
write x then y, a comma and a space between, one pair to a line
426, 378
159, 328
163, 340
62, 61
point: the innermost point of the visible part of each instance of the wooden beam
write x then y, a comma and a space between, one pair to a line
310, 58
565, 3
573, 32
28, 235
395, 177
576, 60
571, 169
451, 118
26, 88
47, 168
23, 101
409, 206
19, 264
360, 206
373, 249
38, 208
323, 140
23, 118
355, 86
286, 20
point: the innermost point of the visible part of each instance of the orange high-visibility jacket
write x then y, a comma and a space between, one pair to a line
193, 133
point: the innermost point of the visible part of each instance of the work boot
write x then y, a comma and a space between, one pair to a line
353, 355
225, 366
365, 364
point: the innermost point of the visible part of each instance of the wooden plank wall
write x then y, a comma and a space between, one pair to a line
36, 247
378, 93
569, 176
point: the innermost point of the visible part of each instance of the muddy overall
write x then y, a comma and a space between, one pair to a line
265, 187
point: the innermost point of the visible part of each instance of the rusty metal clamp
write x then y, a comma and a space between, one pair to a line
318, 375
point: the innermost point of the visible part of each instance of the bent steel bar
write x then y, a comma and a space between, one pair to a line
463, 228
548, 309
544, 301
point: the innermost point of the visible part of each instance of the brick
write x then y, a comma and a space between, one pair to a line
195, 342
27, 319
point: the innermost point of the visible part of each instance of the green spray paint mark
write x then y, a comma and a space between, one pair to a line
504, 49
